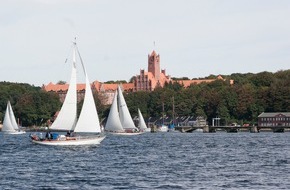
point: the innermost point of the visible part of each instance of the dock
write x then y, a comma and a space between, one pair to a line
233, 129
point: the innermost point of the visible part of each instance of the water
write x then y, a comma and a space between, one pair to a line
150, 161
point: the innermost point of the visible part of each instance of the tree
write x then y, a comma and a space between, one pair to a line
61, 82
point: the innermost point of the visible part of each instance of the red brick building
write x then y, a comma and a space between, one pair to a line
148, 81
145, 81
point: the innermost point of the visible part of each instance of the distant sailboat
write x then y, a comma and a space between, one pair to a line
163, 127
88, 121
114, 124
120, 121
141, 124
10, 125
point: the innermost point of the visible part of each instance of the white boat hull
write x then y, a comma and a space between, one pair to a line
124, 133
14, 132
163, 128
72, 142
146, 130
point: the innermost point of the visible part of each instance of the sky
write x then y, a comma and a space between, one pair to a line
195, 38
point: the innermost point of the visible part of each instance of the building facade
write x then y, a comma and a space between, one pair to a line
105, 91
274, 119
148, 81
145, 81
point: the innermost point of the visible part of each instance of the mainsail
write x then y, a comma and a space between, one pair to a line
141, 124
12, 117
66, 118
124, 113
113, 122
8, 123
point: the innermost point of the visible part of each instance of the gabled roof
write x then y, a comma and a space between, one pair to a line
97, 85
274, 114
108, 87
128, 86
113, 87
153, 53
61, 87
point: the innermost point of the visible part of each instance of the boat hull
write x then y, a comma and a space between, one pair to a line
14, 132
72, 142
125, 134
163, 128
146, 130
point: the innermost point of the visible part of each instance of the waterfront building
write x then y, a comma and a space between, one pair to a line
61, 90
145, 81
267, 119
105, 91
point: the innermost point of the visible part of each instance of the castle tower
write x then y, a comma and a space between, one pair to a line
154, 65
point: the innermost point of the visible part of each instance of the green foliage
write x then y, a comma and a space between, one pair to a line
115, 82
61, 82
31, 105
250, 95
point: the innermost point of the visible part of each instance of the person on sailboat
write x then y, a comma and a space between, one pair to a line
48, 135
68, 134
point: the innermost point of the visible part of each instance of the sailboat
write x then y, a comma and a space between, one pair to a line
119, 120
163, 127
87, 127
10, 125
141, 124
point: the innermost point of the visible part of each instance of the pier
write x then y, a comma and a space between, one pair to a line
233, 129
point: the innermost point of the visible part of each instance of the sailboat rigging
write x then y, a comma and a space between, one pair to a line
119, 119
141, 123
163, 127
88, 121
10, 125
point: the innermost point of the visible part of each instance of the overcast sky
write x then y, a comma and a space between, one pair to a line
195, 38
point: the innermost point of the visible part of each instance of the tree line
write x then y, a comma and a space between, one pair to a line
242, 102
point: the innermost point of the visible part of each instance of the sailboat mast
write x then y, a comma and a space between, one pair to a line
173, 111
162, 113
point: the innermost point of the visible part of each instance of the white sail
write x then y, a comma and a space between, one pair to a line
66, 118
113, 122
7, 124
12, 117
141, 124
125, 117
88, 120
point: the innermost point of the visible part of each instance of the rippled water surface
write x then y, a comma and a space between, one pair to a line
150, 161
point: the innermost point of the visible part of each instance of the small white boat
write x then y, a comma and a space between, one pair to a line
88, 121
10, 125
198, 130
162, 128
